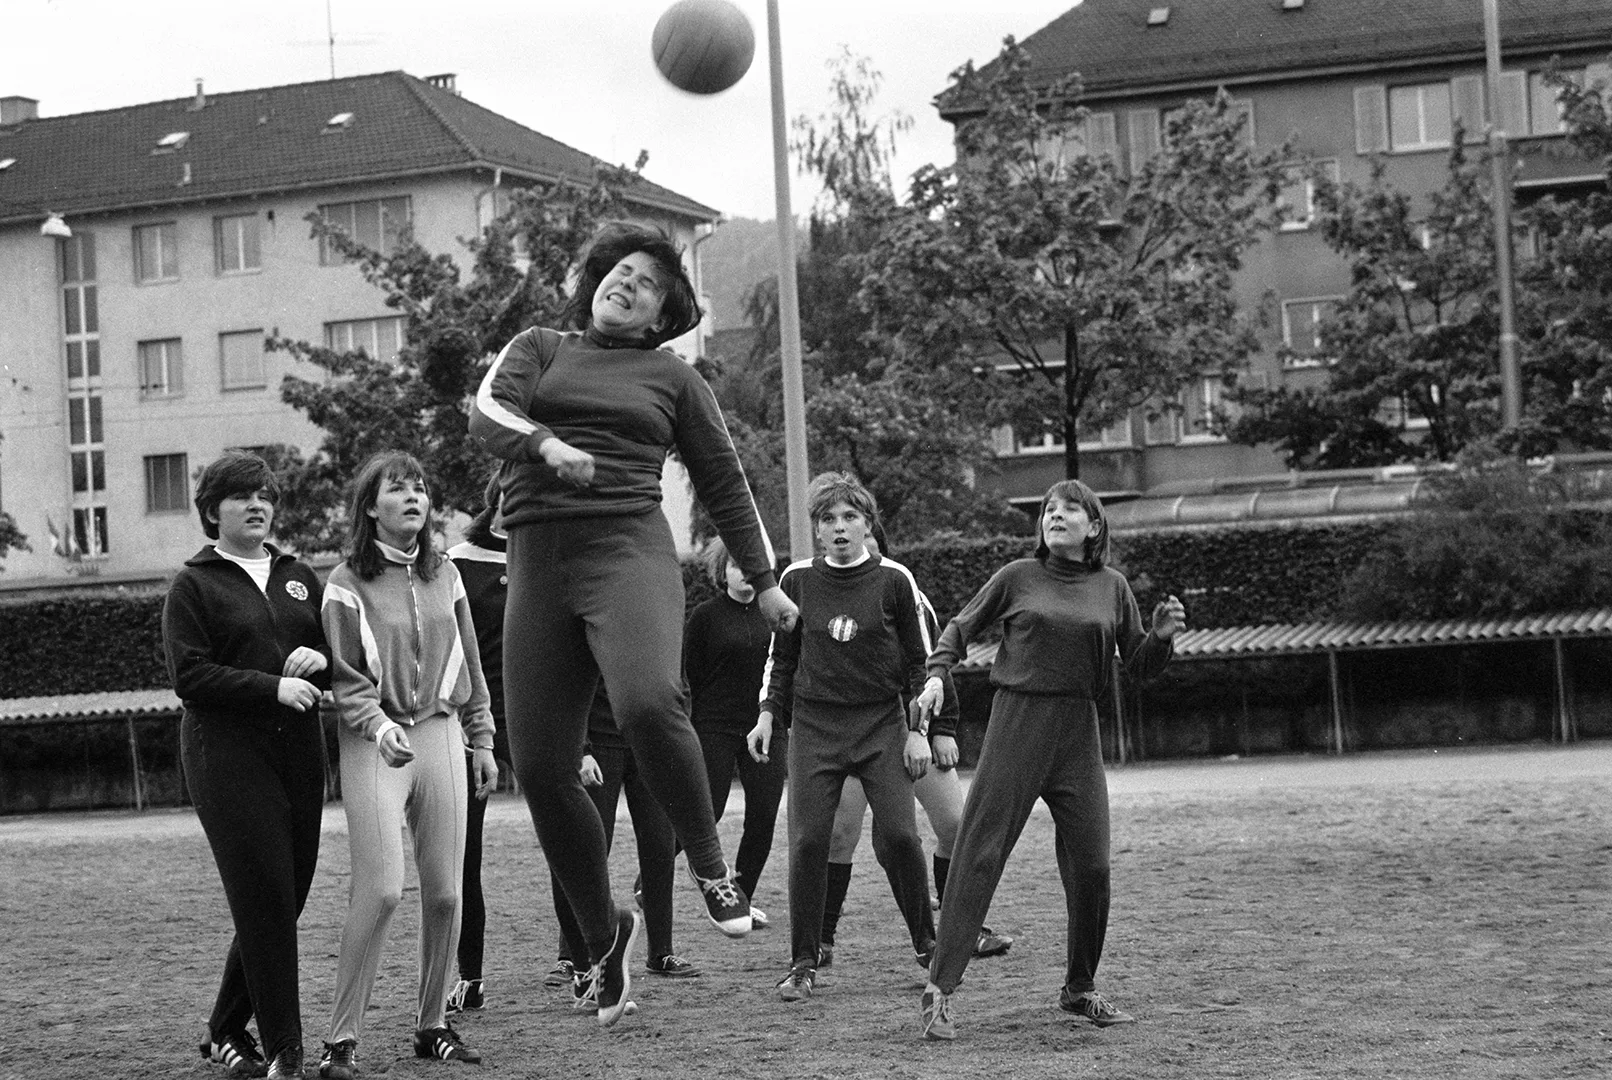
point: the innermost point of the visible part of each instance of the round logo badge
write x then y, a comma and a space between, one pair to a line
842, 628
297, 589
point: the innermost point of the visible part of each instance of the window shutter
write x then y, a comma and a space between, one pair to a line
1466, 95
1143, 125
1102, 139
1244, 107
1513, 93
1599, 73
1371, 119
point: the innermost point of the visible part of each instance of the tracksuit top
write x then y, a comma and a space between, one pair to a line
627, 406
1061, 625
725, 646
227, 641
860, 638
403, 649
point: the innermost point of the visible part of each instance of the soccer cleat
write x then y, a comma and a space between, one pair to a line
466, 994
612, 975
935, 1009
991, 943
672, 966
798, 984
238, 1053
287, 1064
725, 904
444, 1043
563, 973
1094, 1007
825, 955
758, 919
340, 1060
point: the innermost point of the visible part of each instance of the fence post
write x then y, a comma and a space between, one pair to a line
1564, 709
134, 764
1337, 701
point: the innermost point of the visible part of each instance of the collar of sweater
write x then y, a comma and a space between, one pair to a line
392, 554
593, 336
1065, 569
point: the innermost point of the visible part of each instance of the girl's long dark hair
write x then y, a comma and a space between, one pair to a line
480, 529
680, 311
1096, 548
362, 554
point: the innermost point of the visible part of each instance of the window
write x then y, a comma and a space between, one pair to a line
1093, 136
236, 248
156, 252
161, 370
375, 223
1142, 126
1301, 330
380, 338
1116, 434
1162, 422
89, 531
241, 359
167, 483
1544, 107
1296, 203
1419, 116
1200, 399
81, 327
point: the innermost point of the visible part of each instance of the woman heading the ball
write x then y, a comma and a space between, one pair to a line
584, 420
1064, 614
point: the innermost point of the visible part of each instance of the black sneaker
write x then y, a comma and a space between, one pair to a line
725, 903
798, 984
672, 966
444, 1043
991, 943
563, 973
238, 1053
287, 1064
1094, 1007
340, 1060
466, 994
612, 975
582, 999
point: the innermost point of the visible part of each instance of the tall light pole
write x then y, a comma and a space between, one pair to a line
800, 530
1500, 201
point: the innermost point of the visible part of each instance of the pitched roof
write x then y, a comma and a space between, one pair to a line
103, 705
277, 139
1208, 42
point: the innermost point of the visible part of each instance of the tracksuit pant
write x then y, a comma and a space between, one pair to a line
763, 784
1036, 746
590, 599
657, 849
258, 794
428, 794
827, 743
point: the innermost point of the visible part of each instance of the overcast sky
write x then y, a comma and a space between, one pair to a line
579, 71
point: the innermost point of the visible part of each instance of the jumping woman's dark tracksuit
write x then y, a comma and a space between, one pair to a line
1061, 626
255, 769
725, 647
486, 580
595, 588
840, 675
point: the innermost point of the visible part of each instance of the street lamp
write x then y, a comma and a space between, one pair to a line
1500, 201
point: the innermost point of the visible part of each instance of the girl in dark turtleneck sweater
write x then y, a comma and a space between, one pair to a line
1064, 614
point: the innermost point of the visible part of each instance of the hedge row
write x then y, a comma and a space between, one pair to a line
1227, 577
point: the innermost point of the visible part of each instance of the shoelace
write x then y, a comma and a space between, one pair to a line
456, 996
942, 1011
1094, 1003
723, 888
589, 998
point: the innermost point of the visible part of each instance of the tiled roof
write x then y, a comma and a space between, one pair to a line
259, 141
109, 704
1206, 42
1233, 642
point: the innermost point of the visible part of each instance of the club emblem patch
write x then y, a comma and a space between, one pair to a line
842, 628
297, 589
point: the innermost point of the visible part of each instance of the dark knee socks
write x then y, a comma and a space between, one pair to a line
839, 883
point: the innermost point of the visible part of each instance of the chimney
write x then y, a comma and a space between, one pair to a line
448, 82
200, 102
15, 109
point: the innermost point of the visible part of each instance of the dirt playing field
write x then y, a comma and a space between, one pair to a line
1409, 915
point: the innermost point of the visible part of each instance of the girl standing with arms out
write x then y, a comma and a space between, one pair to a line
725, 647
248, 658
584, 421
409, 697
1064, 614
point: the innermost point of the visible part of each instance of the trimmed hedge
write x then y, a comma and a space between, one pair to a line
82, 644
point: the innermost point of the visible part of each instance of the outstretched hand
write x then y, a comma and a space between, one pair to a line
1168, 618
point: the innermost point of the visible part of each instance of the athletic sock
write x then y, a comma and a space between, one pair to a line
839, 883
942, 868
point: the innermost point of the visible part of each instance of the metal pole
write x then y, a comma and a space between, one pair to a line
1337, 700
1500, 200
800, 530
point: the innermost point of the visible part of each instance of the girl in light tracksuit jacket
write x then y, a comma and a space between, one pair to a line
410, 695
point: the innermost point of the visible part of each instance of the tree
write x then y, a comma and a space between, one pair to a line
419, 401
1414, 339
11, 537
1105, 293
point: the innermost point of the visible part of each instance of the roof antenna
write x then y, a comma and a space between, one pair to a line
330, 30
